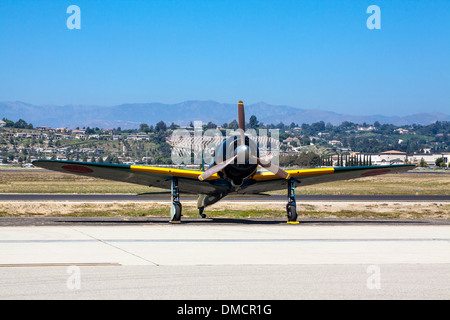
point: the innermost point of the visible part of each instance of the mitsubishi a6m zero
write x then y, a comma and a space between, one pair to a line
234, 170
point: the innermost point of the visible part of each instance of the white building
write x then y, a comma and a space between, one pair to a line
389, 157
430, 159
138, 137
398, 157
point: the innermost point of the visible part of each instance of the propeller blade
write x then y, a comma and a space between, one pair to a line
241, 115
208, 173
241, 119
273, 168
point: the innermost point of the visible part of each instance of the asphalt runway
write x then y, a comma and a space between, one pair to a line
166, 197
198, 259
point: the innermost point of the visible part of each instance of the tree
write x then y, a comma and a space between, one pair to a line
211, 125
423, 163
9, 123
143, 127
253, 122
161, 126
21, 124
173, 126
233, 125
309, 159
440, 162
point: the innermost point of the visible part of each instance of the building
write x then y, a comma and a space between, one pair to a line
401, 131
368, 128
138, 137
335, 142
429, 158
2, 123
398, 157
390, 157
42, 128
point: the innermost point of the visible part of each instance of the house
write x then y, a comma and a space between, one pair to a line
43, 128
401, 131
335, 142
2, 123
138, 137
20, 135
368, 128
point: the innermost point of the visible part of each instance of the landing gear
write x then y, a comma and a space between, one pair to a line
205, 200
291, 207
200, 212
175, 209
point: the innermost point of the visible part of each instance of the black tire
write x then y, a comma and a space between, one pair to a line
200, 212
291, 212
177, 215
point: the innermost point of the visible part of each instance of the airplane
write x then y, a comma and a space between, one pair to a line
233, 170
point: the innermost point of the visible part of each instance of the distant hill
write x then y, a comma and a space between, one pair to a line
129, 116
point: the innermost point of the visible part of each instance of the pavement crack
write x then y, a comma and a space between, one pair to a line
115, 247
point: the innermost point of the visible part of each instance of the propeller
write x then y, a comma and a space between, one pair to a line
241, 119
263, 162
266, 164
208, 173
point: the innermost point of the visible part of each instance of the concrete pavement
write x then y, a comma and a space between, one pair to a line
409, 260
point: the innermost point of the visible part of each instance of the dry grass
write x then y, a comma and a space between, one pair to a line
389, 184
388, 210
44, 181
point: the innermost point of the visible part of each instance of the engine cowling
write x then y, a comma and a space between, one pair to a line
244, 165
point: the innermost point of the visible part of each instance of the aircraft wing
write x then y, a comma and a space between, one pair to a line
188, 179
267, 181
148, 176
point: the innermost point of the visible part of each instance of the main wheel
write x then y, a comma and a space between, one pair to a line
175, 212
291, 210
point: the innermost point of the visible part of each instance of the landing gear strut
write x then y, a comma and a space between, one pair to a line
291, 207
175, 209
200, 212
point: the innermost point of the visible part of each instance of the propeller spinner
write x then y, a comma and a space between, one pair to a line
244, 152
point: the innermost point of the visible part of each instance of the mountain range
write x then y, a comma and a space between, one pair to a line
129, 116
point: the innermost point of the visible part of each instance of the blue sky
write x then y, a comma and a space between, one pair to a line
308, 54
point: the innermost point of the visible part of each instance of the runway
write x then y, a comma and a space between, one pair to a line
166, 197
222, 258
197, 260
